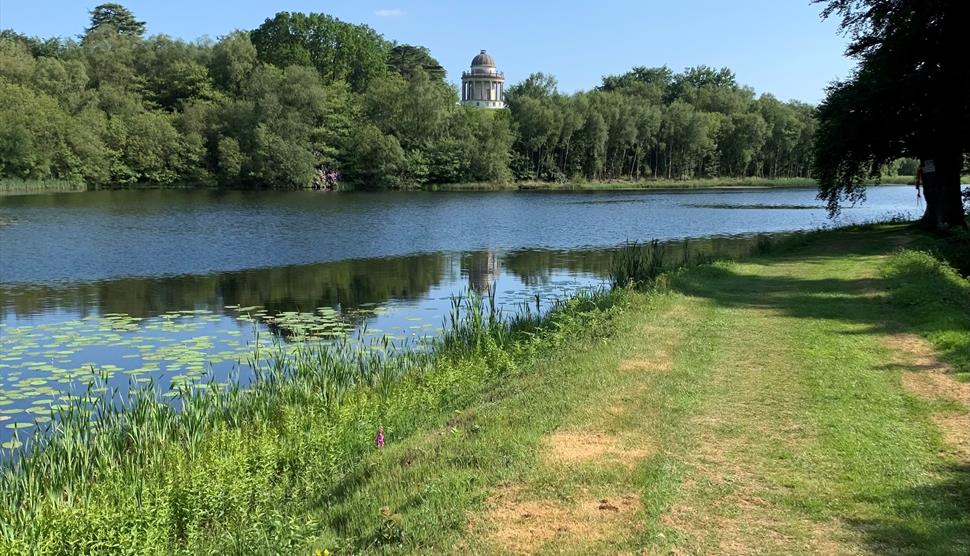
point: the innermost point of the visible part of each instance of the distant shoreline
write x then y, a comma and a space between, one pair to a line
625, 185
28, 187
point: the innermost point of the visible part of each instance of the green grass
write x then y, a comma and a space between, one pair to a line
777, 424
698, 183
754, 405
911, 180
648, 183
21, 186
937, 301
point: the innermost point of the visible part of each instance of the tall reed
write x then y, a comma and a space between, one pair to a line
204, 466
107, 457
641, 264
18, 185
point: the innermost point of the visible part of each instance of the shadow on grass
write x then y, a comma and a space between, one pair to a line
854, 300
927, 519
914, 294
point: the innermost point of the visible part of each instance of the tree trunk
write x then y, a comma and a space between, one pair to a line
941, 189
670, 160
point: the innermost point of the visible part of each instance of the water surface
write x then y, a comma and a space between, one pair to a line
173, 285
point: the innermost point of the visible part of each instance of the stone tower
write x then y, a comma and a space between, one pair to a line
483, 86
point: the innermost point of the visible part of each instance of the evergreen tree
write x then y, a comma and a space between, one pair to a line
118, 17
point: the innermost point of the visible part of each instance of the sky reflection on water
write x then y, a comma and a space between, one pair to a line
173, 286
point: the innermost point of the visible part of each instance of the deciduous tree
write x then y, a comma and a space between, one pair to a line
909, 97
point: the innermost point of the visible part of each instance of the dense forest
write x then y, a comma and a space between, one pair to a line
309, 101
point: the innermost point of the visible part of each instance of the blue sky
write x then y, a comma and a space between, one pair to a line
776, 46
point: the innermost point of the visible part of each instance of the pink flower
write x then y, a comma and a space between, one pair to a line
380, 437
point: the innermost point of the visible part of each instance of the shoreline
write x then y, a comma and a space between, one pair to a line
289, 448
714, 184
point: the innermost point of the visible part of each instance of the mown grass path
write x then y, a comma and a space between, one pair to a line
781, 405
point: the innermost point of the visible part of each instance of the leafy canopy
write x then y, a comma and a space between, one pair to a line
908, 97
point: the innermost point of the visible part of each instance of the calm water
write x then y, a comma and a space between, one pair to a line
174, 284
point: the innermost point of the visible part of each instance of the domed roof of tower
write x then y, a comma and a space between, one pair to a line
483, 59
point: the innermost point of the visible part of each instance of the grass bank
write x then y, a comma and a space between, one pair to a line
805, 401
801, 400
627, 185
15, 186
911, 180
655, 184
662, 183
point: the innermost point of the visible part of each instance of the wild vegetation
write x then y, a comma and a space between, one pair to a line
308, 101
184, 469
228, 469
290, 462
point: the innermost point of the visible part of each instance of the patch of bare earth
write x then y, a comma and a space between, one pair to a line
931, 379
582, 447
521, 522
525, 525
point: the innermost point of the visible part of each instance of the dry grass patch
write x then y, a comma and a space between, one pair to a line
615, 410
936, 385
661, 338
916, 353
524, 526
581, 447
656, 362
931, 379
735, 518
726, 507
955, 426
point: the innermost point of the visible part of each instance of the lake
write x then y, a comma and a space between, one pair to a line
171, 285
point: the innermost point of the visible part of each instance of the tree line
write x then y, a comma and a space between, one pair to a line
657, 123
309, 101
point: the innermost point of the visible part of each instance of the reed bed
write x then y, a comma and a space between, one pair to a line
241, 468
11, 186
207, 467
640, 265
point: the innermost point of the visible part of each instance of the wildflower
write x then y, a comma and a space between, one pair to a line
380, 436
